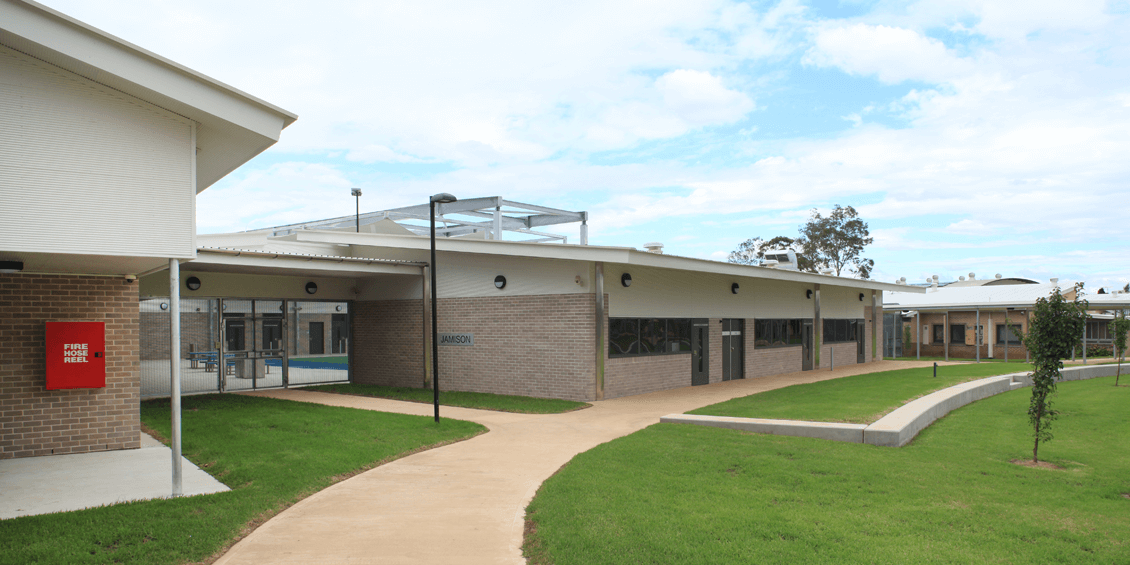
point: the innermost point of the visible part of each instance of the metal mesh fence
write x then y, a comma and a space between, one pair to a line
243, 344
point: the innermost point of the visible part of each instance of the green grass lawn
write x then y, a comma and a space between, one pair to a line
480, 400
271, 453
696, 495
859, 399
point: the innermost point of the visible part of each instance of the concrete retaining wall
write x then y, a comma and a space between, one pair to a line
900, 426
851, 433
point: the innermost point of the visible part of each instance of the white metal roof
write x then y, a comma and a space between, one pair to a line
396, 245
232, 126
993, 296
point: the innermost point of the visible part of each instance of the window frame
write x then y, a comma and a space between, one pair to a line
670, 331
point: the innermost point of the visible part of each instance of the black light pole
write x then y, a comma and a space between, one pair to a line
356, 192
442, 198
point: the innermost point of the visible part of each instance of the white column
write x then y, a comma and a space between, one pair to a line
174, 369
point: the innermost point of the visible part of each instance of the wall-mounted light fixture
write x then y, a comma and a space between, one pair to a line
500, 282
734, 288
192, 283
164, 305
626, 280
311, 287
338, 307
861, 297
11, 266
808, 293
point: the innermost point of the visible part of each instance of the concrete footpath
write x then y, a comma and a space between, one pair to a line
465, 502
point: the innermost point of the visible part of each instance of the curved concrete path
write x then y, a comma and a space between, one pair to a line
466, 502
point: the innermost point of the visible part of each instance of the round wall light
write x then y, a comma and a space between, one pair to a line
311, 287
192, 283
500, 282
338, 308
164, 305
808, 293
734, 288
626, 280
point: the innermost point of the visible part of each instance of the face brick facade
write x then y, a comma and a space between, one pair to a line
35, 421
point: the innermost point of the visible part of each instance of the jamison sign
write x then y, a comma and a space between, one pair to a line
457, 339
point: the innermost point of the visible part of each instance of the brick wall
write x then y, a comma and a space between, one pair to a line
388, 343
539, 345
627, 376
35, 421
845, 354
715, 352
766, 361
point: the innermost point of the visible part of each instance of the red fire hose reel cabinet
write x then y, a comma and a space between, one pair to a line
76, 355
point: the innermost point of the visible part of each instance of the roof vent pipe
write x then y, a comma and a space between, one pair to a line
998, 275
654, 247
961, 278
934, 278
972, 276
1055, 282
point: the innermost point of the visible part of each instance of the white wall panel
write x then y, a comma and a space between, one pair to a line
88, 170
466, 275
683, 294
843, 302
214, 285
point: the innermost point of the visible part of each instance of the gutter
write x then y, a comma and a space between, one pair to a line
277, 255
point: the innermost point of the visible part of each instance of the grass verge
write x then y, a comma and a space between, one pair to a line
479, 400
858, 399
696, 495
953, 359
272, 453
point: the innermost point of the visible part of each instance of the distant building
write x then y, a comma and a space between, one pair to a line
975, 318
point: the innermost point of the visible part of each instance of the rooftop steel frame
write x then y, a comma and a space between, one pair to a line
490, 214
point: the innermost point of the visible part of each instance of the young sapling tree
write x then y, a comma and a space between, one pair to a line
1120, 326
1056, 328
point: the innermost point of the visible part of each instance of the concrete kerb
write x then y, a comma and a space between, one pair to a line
901, 425
851, 433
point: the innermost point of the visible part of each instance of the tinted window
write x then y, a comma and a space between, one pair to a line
678, 335
648, 336
653, 336
623, 336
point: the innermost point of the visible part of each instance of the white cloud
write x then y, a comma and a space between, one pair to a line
892, 54
700, 99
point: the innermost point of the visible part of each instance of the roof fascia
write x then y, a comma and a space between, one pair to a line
299, 263
621, 255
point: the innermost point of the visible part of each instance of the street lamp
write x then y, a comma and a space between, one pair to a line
442, 198
356, 192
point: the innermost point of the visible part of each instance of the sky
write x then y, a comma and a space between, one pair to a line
972, 136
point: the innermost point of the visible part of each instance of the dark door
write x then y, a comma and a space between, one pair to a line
317, 338
235, 331
860, 340
806, 346
272, 334
339, 333
732, 353
700, 352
